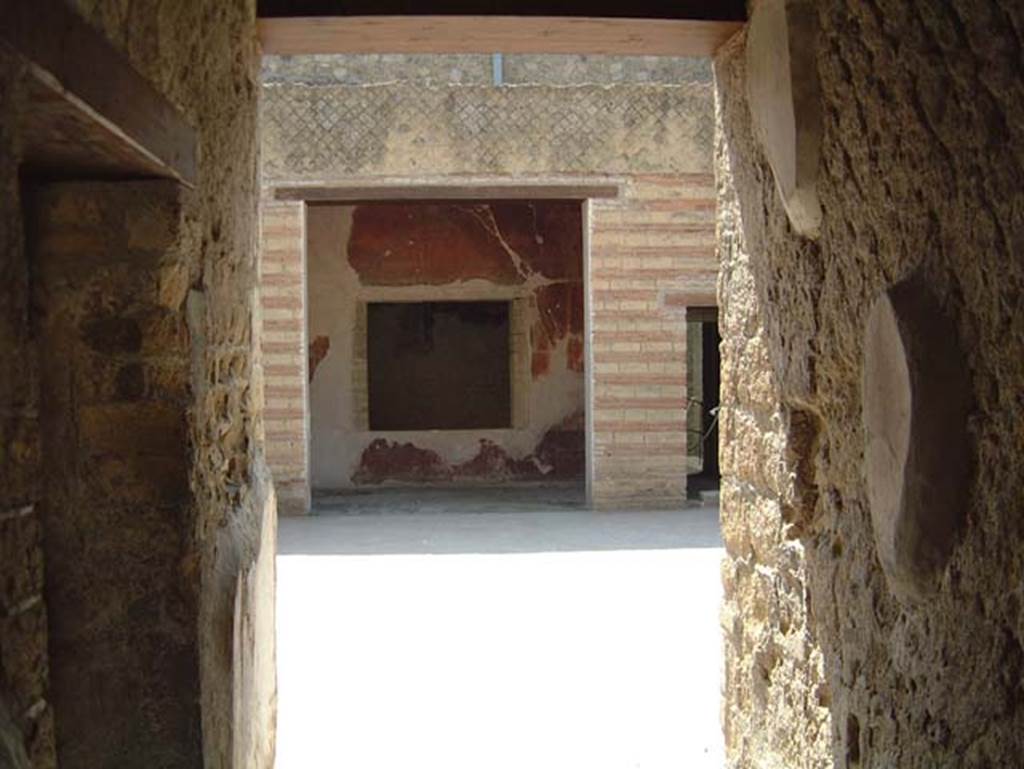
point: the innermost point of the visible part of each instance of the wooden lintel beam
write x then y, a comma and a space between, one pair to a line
493, 34
76, 65
443, 192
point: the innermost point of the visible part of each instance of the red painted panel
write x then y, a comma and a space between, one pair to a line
558, 456
385, 460
403, 244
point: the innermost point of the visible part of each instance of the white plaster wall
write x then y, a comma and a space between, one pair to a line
338, 435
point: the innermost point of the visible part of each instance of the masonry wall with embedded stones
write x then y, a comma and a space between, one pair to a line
26, 717
920, 174
115, 466
481, 69
650, 250
167, 398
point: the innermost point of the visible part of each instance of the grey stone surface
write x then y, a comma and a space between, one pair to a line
605, 70
537, 519
318, 133
377, 69
475, 69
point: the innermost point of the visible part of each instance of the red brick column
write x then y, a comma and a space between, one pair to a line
651, 252
284, 349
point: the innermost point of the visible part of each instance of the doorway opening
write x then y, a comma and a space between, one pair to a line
453, 345
482, 314
703, 382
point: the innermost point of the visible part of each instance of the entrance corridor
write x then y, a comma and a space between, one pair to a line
498, 630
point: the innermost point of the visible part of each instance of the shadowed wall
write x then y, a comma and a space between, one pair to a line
920, 173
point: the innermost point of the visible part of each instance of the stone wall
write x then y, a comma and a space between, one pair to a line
775, 696
24, 663
529, 254
649, 251
113, 343
203, 57
476, 69
920, 172
330, 132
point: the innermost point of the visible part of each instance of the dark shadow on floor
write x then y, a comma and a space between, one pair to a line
496, 520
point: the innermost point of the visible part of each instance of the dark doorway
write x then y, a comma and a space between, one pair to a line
439, 365
703, 381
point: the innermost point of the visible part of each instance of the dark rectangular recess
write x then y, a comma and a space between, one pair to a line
649, 9
439, 365
704, 413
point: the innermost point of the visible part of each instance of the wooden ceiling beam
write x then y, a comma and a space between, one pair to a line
392, 193
493, 34
88, 113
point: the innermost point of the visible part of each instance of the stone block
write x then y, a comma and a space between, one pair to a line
19, 457
41, 739
23, 655
785, 101
21, 560
917, 453
140, 478
126, 429
12, 741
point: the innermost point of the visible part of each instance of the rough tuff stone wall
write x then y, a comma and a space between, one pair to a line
651, 250
775, 709
921, 170
113, 342
202, 56
26, 718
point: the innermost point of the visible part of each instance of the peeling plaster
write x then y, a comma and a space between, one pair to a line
513, 251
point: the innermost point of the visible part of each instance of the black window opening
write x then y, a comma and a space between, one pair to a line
703, 376
439, 365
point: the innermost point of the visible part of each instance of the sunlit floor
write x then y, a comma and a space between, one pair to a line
544, 637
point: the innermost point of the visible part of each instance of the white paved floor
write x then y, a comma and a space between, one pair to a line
542, 638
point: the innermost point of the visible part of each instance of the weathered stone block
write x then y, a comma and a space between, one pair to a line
12, 742
19, 457
128, 428
785, 102
917, 452
23, 655
21, 561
